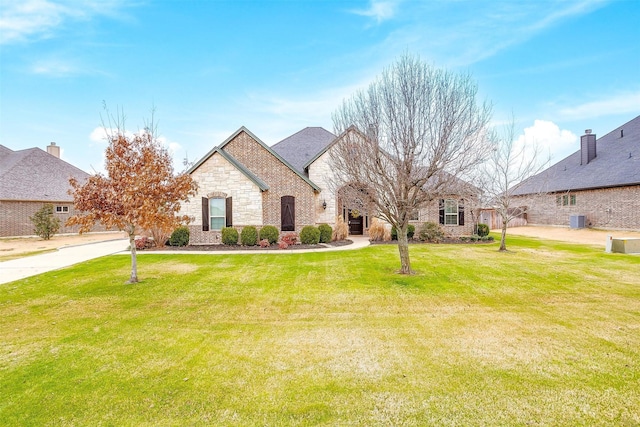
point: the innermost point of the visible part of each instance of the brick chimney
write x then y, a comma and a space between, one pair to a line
587, 147
53, 149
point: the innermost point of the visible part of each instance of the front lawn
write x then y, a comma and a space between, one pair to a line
546, 335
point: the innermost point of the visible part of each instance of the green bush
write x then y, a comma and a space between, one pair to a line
180, 236
46, 225
325, 233
483, 230
270, 233
430, 232
249, 236
474, 238
229, 236
411, 229
309, 235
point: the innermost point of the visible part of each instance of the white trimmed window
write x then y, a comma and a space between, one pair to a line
217, 219
450, 212
62, 209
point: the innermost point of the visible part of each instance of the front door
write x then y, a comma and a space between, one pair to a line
355, 224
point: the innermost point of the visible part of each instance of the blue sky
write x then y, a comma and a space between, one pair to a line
209, 67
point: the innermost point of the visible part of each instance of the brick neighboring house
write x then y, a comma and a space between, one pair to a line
601, 182
30, 178
244, 182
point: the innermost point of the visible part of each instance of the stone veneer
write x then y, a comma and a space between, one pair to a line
612, 208
320, 172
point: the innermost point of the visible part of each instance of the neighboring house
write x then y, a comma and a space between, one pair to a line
244, 182
599, 184
29, 179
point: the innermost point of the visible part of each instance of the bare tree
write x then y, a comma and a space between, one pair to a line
408, 139
508, 166
140, 190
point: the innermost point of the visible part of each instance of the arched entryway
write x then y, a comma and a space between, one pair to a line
355, 206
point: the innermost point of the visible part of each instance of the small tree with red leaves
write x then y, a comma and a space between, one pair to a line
140, 190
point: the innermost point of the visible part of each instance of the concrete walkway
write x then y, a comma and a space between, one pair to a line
32, 265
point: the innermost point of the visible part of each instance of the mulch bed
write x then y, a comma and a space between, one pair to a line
446, 241
214, 248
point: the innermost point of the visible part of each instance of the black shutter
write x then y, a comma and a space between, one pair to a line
461, 212
287, 213
228, 204
205, 214
441, 207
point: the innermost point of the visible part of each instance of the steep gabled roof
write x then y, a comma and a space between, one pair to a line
35, 175
300, 148
220, 149
616, 164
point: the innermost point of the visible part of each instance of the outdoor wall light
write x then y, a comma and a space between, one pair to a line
324, 204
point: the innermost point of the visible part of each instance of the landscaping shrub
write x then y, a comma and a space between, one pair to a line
411, 229
282, 245
249, 236
483, 230
229, 236
325, 233
160, 235
430, 232
264, 243
376, 230
143, 242
180, 236
310, 235
474, 238
289, 238
270, 233
486, 238
46, 225
342, 230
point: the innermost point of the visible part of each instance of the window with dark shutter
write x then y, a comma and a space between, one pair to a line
205, 214
229, 211
461, 212
441, 211
287, 213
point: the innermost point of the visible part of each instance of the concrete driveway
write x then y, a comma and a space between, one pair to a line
32, 265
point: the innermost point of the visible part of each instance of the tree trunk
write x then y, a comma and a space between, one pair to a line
503, 238
134, 261
403, 248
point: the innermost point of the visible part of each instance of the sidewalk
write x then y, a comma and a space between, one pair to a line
32, 265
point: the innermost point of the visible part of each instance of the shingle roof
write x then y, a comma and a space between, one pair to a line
35, 175
617, 164
303, 146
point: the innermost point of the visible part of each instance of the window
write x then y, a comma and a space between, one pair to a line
565, 200
572, 200
415, 216
450, 212
217, 218
559, 200
62, 209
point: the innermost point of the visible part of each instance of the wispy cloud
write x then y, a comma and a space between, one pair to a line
27, 20
379, 10
621, 103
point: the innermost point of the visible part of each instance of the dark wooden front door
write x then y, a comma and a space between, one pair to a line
288, 213
355, 224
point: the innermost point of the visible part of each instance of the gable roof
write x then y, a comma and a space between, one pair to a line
35, 175
301, 148
617, 163
244, 169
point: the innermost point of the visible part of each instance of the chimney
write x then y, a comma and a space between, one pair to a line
587, 147
53, 149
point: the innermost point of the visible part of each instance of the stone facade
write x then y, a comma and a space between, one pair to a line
14, 217
432, 214
320, 173
609, 208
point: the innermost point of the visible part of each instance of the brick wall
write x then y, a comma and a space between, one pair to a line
609, 208
281, 179
14, 217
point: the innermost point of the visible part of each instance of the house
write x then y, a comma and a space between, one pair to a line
597, 186
244, 182
29, 179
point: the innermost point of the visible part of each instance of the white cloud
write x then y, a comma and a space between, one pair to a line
549, 139
380, 10
622, 103
25, 20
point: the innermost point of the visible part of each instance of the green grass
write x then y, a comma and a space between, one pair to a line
548, 334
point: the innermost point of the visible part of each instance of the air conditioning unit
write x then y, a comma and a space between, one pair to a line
577, 221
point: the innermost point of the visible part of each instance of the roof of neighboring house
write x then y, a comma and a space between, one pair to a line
303, 146
35, 175
617, 163
244, 169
